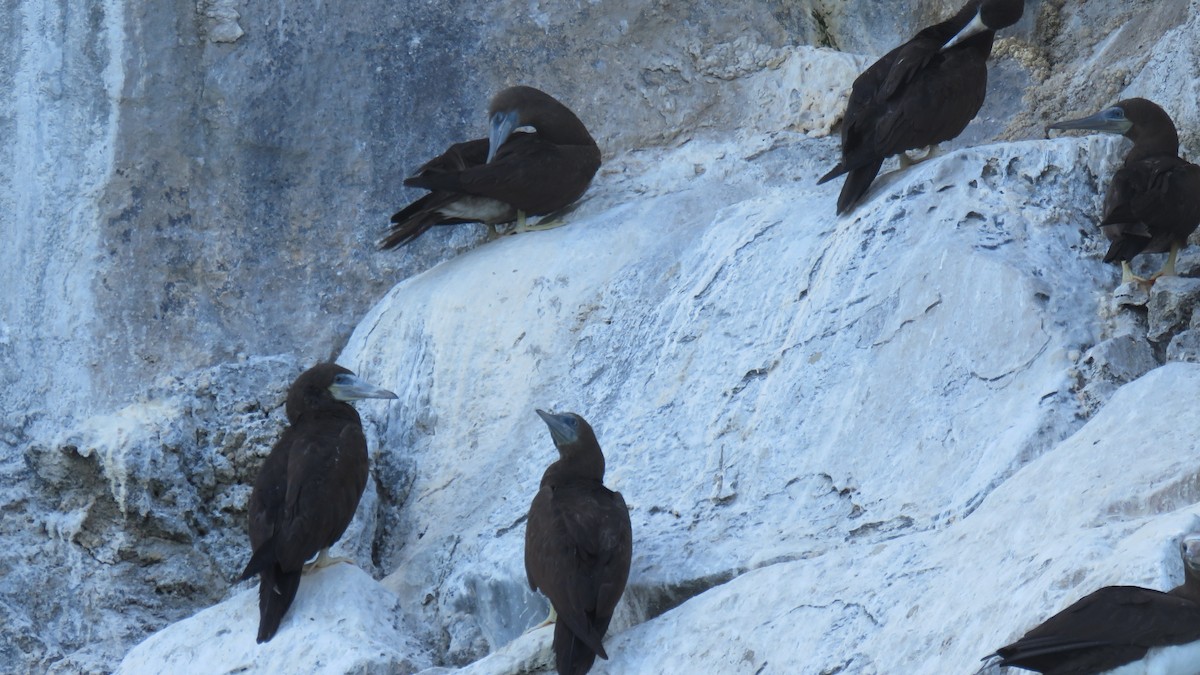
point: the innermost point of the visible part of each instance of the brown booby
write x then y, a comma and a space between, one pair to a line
578, 544
922, 93
1120, 627
1153, 201
309, 486
506, 176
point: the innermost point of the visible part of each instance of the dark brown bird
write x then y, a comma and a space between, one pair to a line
1153, 201
507, 176
1119, 625
309, 486
922, 93
578, 544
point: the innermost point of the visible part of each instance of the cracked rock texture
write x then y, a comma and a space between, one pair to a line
818, 423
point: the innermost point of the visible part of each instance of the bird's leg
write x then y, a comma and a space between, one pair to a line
552, 617
543, 225
325, 560
930, 152
1127, 276
1168, 270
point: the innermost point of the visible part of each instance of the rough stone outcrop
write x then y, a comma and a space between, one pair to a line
781, 392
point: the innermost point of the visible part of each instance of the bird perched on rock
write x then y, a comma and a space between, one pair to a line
1153, 201
922, 93
1123, 629
578, 544
309, 486
507, 176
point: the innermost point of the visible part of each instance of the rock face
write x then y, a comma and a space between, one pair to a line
818, 423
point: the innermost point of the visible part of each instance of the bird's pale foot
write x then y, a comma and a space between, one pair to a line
1128, 276
552, 617
930, 152
325, 560
540, 226
1168, 269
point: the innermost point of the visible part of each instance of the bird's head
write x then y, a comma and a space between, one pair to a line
1189, 550
1139, 120
990, 15
327, 384
523, 106
565, 428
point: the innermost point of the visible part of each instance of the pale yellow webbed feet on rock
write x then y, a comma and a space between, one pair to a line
552, 617
930, 152
325, 560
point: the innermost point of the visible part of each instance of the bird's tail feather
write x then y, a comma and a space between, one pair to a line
407, 228
262, 560
276, 591
837, 171
572, 656
1124, 248
858, 181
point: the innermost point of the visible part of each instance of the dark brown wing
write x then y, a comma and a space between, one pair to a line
1108, 628
270, 490
457, 157
578, 547
326, 475
1150, 204
527, 172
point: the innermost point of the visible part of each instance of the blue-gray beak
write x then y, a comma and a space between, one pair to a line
347, 387
503, 124
1111, 120
562, 427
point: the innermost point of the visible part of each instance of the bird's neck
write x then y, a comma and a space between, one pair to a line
572, 469
341, 411
562, 127
1164, 142
1190, 588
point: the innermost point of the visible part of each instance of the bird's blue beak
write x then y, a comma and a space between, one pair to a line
1111, 120
503, 124
562, 427
348, 387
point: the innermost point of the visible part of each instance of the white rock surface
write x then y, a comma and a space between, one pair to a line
338, 605
820, 424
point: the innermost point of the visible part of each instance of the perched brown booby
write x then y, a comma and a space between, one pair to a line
578, 544
1120, 629
1153, 201
922, 93
309, 486
507, 176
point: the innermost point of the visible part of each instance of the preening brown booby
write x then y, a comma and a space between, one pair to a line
922, 93
507, 176
309, 486
578, 544
1153, 201
1135, 630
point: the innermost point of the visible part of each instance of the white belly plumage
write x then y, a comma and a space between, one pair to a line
483, 209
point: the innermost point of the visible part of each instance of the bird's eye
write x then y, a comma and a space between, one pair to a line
1115, 114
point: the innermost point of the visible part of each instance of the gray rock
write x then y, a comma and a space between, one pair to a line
1110, 364
1172, 303
1185, 346
189, 186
